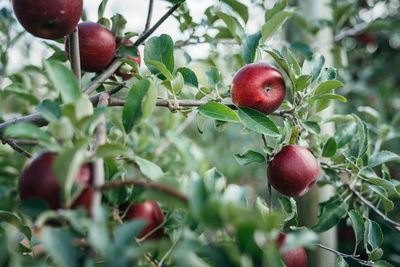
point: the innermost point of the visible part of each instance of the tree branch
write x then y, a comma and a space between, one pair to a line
149, 15
74, 54
146, 184
389, 221
15, 146
116, 63
364, 262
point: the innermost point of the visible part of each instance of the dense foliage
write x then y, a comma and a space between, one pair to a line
174, 136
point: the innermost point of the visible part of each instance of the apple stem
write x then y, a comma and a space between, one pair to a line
75, 56
149, 15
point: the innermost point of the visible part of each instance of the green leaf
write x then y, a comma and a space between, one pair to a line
273, 24
160, 49
240, 8
293, 62
388, 185
189, 77
29, 131
161, 68
372, 235
234, 26
213, 76
132, 111
289, 208
311, 126
282, 62
313, 65
358, 226
15, 89
149, 169
340, 262
303, 238
330, 148
332, 211
362, 135
258, 122
177, 83
102, 7
249, 47
150, 101
126, 232
382, 264
327, 86
278, 6
383, 157
383, 196
329, 97
303, 82
345, 134
113, 150
50, 110
60, 246
64, 81
327, 74
248, 157
218, 111
118, 25
15, 221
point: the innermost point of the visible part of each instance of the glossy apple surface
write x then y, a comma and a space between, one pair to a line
293, 171
96, 46
126, 76
39, 181
48, 19
296, 257
151, 212
259, 86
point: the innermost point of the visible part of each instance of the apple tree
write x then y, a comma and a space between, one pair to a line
121, 149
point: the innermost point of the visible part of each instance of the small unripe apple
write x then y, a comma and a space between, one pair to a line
96, 46
296, 257
48, 19
38, 181
126, 76
150, 212
293, 171
259, 86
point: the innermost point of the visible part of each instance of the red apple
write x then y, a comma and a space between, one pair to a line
367, 38
296, 257
96, 46
126, 76
258, 86
48, 19
39, 181
293, 171
152, 214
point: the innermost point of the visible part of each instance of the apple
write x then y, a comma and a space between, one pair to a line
96, 46
151, 212
293, 171
296, 257
48, 19
39, 181
126, 76
259, 86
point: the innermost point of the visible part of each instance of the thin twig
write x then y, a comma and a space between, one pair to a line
264, 138
364, 262
101, 137
15, 146
389, 221
336, 168
149, 15
117, 63
146, 184
74, 54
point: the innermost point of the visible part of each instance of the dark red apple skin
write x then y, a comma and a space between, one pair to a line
96, 46
151, 212
126, 76
293, 258
39, 181
250, 85
293, 171
48, 19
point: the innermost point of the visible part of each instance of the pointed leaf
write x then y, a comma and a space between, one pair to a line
258, 122
218, 111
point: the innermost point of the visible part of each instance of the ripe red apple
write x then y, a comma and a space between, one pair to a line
152, 214
296, 257
39, 181
293, 171
96, 46
48, 19
126, 76
258, 86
